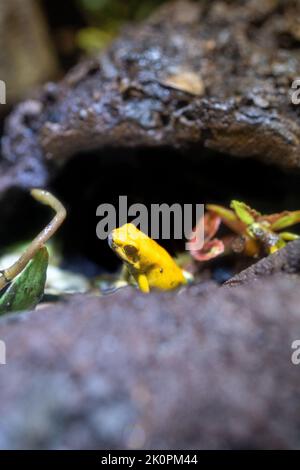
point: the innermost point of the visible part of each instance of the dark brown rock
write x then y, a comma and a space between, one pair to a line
216, 74
285, 261
205, 368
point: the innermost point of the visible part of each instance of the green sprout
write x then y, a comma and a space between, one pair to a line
253, 234
27, 276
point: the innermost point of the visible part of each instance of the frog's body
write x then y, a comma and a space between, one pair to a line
148, 263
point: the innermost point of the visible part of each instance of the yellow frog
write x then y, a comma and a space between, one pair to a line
148, 263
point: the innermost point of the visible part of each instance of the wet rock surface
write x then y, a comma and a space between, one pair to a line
214, 74
208, 367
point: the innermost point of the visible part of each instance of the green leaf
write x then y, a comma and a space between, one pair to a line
223, 212
288, 219
288, 236
244, 212
27, 289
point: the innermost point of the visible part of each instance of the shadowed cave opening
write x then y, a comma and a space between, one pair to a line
147, 176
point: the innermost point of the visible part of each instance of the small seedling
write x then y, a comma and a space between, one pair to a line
28, 273
253, 234
27, 289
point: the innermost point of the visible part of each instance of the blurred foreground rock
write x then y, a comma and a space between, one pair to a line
205, 368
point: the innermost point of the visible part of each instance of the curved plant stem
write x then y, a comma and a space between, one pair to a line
48, 199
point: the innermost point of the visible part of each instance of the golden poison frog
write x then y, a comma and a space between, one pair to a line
150, 265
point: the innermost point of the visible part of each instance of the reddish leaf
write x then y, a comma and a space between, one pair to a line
211, 225
207, 227
210, 250
228, 217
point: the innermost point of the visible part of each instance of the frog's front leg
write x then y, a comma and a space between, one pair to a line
143, 283
132, 277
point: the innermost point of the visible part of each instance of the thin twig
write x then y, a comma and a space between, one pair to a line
48, 199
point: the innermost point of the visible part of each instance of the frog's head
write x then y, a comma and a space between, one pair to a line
125, 242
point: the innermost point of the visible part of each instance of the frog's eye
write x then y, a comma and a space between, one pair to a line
131, 252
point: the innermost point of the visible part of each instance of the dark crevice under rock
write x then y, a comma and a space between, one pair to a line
144, 176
